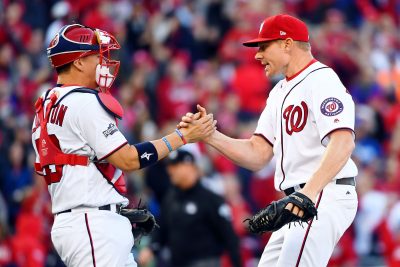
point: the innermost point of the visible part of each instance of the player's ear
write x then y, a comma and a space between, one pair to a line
288, 43
78, 64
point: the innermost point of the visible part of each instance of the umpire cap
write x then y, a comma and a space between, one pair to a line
180, 156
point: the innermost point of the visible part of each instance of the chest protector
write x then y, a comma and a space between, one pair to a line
50, 154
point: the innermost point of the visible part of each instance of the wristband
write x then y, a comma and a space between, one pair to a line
147, 154
167, 143
181, 136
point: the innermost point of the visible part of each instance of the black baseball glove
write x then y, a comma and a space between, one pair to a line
275, 216
142, 220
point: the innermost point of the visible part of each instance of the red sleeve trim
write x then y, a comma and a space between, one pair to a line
112, 152
265, 138
341, 128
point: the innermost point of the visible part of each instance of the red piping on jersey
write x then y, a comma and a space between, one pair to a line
283, 103
265, 138
341, 128
90, 239
300, 71
308, 230
112, 152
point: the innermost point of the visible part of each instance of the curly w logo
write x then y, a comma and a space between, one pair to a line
295, 117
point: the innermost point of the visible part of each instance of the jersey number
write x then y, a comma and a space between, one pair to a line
295, 118
52, 173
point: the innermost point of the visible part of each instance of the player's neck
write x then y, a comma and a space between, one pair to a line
298, 63
70, 80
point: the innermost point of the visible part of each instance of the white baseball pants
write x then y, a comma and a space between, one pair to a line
296, 246
92, 237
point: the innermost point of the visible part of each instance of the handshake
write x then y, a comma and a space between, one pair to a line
197, 127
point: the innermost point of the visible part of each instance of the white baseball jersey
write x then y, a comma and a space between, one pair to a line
300, 114
81, 126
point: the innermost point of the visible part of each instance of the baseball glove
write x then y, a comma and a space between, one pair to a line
275, 215
142, 220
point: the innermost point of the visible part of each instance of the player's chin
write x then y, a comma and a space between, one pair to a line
268, 71
272, 74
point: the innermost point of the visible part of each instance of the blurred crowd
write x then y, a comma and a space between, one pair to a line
177, 53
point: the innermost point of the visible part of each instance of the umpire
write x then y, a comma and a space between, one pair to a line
195, 223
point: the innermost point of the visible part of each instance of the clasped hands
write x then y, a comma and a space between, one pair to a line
198, 126
201, 126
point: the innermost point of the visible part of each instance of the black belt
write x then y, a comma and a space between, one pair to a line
345, 181
105, 207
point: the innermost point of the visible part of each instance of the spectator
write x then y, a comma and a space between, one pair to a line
27, 247
360, 39
19, 178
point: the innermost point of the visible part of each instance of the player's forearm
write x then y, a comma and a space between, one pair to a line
335, 157
163, 147
174, 141
134, 157
242, 152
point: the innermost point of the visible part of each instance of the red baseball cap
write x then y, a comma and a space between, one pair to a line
281, 26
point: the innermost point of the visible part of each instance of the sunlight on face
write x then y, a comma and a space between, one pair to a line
273, 56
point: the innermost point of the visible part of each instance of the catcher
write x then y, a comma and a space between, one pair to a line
82, 154
308, 125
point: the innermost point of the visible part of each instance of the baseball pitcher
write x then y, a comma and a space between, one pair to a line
308, 125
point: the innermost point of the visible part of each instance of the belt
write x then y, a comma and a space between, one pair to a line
111, 207
344, 181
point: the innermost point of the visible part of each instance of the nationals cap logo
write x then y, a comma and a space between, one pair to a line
331, 106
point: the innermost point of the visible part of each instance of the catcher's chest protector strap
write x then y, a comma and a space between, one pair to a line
107, 101
113, 175
110, 104
49, 153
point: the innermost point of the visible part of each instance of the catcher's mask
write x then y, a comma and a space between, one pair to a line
76, 41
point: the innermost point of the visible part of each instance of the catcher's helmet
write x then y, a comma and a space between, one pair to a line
76, 41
